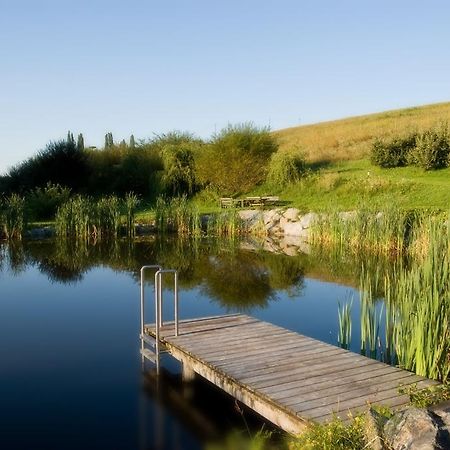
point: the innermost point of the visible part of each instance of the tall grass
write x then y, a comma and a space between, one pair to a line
177, 215
385, 232
85, 218
12, 216
421, 299
227, 223
345, 324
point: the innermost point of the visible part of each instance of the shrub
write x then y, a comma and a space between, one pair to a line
285, 168
392, 153
42, 203
432, 149
178, 152
236, 159
59, 163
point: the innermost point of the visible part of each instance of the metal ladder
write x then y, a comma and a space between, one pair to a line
153, 353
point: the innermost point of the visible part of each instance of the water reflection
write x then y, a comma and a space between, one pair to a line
233, 277
198, 406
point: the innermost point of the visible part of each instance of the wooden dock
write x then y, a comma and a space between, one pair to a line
289, 379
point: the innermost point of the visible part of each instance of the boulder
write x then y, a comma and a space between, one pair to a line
373, 426
308, 220
291, 214
271, 217
414, 429
295, 229
347, 215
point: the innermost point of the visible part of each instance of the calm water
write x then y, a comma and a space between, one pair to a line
70, 370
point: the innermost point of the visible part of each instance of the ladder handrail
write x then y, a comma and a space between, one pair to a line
143, 269
159, 297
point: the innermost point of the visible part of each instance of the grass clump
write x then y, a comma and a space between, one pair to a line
345, 324
285, 168
384, 232
334, 435
177, 215
85, 218
423, 398
12, 216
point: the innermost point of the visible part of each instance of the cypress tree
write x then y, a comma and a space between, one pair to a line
109, 142
70, 139
132, 142
80, 142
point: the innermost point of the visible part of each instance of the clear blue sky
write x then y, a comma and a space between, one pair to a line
149, 66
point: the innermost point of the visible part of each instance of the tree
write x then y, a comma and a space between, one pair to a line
132, 142
236, 160
70, 139
80, 142
109, 142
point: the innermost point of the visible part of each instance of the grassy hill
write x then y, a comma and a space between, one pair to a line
351, 138
342, 176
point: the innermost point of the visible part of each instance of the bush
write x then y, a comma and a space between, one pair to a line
432, 149
42, 203
392, 153
178, 154
285, 168
60, 163
236, 159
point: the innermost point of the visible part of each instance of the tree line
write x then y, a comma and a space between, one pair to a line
231, 162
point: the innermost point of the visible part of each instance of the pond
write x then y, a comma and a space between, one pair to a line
70, 369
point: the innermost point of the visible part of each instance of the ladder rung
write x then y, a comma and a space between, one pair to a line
148, 354
148, 339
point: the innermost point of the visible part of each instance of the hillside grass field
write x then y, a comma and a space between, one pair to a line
340, 174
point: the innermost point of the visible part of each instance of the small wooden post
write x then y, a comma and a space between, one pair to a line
187, 372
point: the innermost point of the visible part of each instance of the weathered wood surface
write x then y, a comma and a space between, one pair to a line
288, 378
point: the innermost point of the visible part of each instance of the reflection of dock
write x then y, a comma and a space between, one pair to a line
288, 378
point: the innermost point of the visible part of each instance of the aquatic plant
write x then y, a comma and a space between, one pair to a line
384, 232
12, 216
131, 203
177, 215
345, 324
83, 217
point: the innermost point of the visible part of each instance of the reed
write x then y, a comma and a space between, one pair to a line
131, 203
421, 297
370, 322
345, 324
384, 232
12, 216
178, 215
85, 218
226, 224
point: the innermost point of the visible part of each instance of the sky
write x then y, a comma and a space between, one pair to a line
147, 67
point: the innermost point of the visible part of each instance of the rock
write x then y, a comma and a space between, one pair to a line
40, 233
271, 217
413, 429
291, 214
282, 223
308, 220
373, 425
347, 215
295, 229
250, 216
291, 251
143, 229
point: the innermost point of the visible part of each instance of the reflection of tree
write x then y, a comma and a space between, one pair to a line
238, 280
16, 256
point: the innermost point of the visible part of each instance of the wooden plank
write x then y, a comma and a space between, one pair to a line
375, 377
